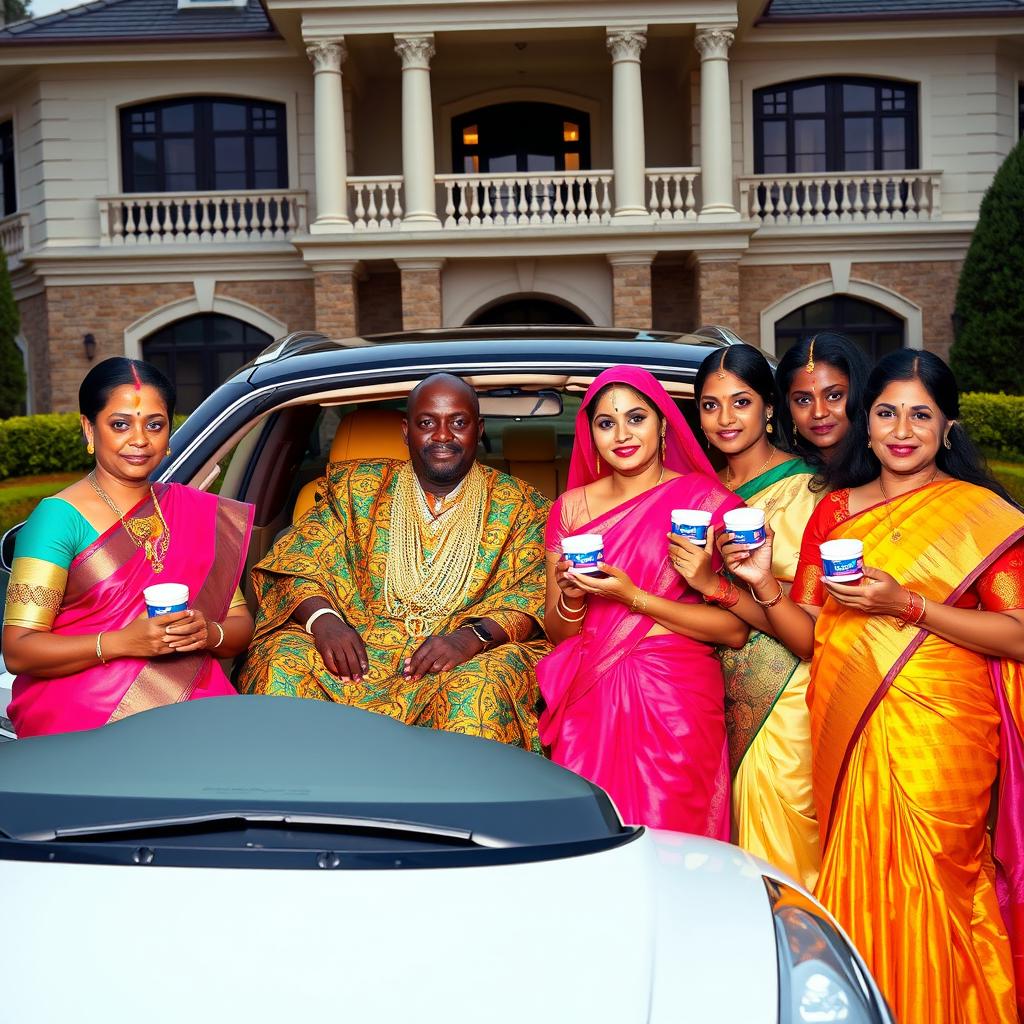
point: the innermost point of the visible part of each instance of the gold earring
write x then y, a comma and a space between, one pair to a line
869, 444
597, 466
768, 428
168, 449
945, 442
90, 448
663, 446
795, 440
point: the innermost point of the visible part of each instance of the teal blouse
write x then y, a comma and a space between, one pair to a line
55, 532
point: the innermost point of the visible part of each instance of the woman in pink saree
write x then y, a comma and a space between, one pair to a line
633, 690
76, 629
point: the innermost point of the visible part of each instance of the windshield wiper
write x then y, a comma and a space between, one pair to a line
339, 822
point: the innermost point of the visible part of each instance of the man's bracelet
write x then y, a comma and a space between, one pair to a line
316, 615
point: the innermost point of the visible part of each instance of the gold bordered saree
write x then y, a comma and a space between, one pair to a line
339, 551
765, 702
916, 741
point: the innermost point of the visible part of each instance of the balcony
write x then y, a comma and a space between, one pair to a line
176, 218
790, 200
14, 238
568, 199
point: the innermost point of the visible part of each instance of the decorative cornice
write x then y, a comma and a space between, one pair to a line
626, 43
415, 51
714, 43
327, 55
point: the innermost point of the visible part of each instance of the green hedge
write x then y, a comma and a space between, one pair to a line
48, 443
995, 422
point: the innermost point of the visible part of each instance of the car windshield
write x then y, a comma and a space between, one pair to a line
248, 766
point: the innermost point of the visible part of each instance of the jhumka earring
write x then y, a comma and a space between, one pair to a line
768, 428
795, 439
90, 448
663, 445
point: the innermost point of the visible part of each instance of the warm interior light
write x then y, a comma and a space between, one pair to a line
470, 136
572, 161
570, 131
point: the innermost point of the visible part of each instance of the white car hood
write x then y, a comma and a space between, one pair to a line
664, 928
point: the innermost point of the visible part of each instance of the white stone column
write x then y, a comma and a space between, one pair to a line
329, 136
715, 125
417, 132
628, 151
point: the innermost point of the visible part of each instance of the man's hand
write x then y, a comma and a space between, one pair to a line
442, 653
340, 647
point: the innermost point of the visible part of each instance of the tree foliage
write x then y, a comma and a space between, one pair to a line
12, 366
988, 353
15, 10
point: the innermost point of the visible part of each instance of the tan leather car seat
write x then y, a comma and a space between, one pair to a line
531, 450
362, 434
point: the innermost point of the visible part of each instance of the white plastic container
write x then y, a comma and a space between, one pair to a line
746, 525
164, 598
585, 551
692, 524
842, 560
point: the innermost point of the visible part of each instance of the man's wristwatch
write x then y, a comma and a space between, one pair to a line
481, 632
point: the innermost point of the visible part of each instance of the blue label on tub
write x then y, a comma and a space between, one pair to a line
585, 559
165, 609
749, 536
694, 533
843, 566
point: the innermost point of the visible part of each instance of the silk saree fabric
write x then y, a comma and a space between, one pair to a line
103, 592
338, 551
640, 715
912, 735
766, 712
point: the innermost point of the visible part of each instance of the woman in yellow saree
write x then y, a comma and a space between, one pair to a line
917, 708
765, 684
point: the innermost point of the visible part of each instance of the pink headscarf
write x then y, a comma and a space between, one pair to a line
682, 453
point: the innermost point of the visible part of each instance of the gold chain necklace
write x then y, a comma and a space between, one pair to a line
730, 475
894, 533
420, 588
151, 533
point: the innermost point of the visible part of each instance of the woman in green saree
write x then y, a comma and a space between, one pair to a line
765, 684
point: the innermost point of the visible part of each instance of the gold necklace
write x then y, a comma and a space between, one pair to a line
894, 533
151, 533
421, 588
730, 475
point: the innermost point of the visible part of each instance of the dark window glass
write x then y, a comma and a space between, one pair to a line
510, 138
8, 197
874, 330
203, 145
835, 124
200, 352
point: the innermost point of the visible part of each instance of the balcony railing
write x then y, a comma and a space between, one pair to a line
171, 218
879, 196
672, 193
531, 199
14, 237
375, 204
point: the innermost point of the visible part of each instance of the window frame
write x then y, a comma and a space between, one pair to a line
8, 177
204, 138
834, 116
845, 325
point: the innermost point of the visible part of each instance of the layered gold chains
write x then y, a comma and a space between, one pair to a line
151, 533
421, 588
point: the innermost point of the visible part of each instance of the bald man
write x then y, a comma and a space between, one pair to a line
415, 589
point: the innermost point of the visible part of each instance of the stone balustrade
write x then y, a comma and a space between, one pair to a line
848, 198
376, 202
14, 237
672, 193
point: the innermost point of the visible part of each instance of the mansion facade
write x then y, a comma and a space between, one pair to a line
185, 180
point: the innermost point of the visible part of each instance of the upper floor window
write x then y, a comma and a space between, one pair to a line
835, 124
8, 197
507, 138
203, 144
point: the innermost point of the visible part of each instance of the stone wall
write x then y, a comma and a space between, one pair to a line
718, 294
380, 303
760, 286
421, 298
631, 294
337, 304
673, 300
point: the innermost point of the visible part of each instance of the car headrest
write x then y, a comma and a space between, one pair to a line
369, 434
529, 442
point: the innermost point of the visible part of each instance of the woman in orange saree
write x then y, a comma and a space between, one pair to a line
917, 708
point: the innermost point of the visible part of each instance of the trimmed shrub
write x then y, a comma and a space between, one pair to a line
988, 353
13, 381
995, 423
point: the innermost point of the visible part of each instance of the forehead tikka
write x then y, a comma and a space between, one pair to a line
810, 358
721, 364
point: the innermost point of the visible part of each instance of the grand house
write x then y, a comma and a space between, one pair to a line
184, 180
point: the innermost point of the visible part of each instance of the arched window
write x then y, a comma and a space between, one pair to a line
527, 310
203, 144
202, 351
835, 124
519, 137
875, 330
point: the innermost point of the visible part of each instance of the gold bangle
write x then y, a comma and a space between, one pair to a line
565, 613
774, 601
220, 629
639, 602
99, 648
